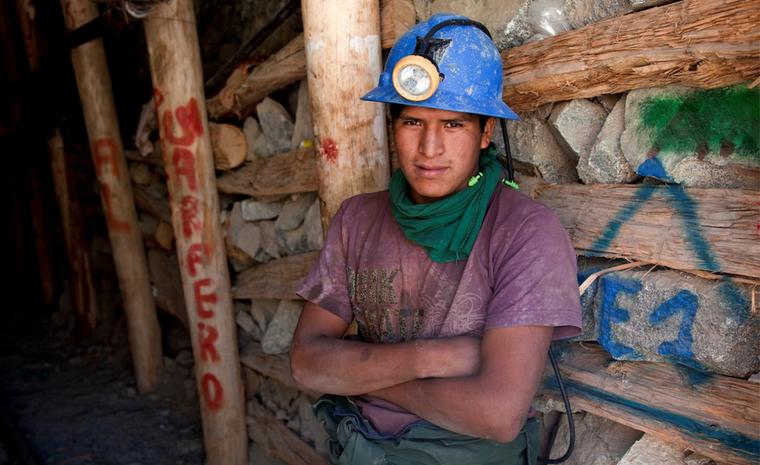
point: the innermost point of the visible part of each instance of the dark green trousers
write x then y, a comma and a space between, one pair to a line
353, 441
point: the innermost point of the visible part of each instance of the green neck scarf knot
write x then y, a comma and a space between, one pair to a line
447, 228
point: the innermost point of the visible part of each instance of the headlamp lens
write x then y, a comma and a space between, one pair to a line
414, 79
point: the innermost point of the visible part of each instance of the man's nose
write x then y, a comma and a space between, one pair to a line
431, 143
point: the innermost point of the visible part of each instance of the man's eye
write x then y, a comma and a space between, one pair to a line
410, 122
453, 124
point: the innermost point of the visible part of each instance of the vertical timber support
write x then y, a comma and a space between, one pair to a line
77, 250
175, 65
94, 84
343, 61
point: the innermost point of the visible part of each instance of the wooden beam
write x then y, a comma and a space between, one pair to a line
94, 84
248, 85
396, 17
277, 279
273, 366
683, 228
229, 146
175, 64
77, 249
289, 173
717, 416
350, 134
696, 43
278, 441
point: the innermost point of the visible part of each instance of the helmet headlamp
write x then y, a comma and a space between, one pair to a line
415, 78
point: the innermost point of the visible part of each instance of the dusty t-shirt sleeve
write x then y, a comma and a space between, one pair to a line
535, 278
326, 283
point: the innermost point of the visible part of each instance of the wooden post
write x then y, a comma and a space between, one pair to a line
343, 60
77, 250
94, 85
175, 64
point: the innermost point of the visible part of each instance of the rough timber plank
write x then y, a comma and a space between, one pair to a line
717, 416
715, 230
288, 173
696, 43
277, 279
277, 440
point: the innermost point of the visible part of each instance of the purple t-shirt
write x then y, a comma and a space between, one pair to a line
521, 271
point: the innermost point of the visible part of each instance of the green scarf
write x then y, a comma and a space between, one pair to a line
447, 228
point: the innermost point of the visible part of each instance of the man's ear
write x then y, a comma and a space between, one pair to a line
485, 137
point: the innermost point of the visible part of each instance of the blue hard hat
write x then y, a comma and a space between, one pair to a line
468, 62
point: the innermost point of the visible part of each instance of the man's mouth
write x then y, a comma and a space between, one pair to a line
430, 171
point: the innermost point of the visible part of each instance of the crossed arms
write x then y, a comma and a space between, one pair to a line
470, 386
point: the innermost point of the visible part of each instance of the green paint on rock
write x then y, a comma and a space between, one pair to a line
724, 121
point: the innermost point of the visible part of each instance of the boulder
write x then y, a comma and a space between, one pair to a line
605, 163
276, 124
252, 131
254, 210
279, 333
294, 210
598, 441
262, 311
702, 324
308, 236
652, 451
531, 141
269, 243
576, 124
303, 130
700, 138
248, 239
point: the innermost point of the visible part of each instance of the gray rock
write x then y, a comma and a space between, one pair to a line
262, 311
254, 210
244, 319
276, 123
264, 147
306, 237
583, 12
311, 429
605, 162
303, 129
294, 210
598, 441
236, 218
505, 19
269, 242
157, 189
251, 130
576, 123
699, 169
531, 141
673, 316
644, 4
141, 174
248, 239
279, 333
652, 451
279, 398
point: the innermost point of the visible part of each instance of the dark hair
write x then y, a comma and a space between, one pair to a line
395, 110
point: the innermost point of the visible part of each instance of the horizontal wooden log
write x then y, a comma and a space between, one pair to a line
696, 43
278, 441
683, 228
275, 366
714, 415
248, 85
289, 173
277, 279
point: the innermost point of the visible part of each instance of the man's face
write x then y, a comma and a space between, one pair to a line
438, 150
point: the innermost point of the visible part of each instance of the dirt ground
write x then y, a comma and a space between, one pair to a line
72, 401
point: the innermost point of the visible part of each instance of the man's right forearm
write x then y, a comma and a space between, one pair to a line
344, 367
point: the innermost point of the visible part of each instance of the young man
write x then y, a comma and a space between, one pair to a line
458, 283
